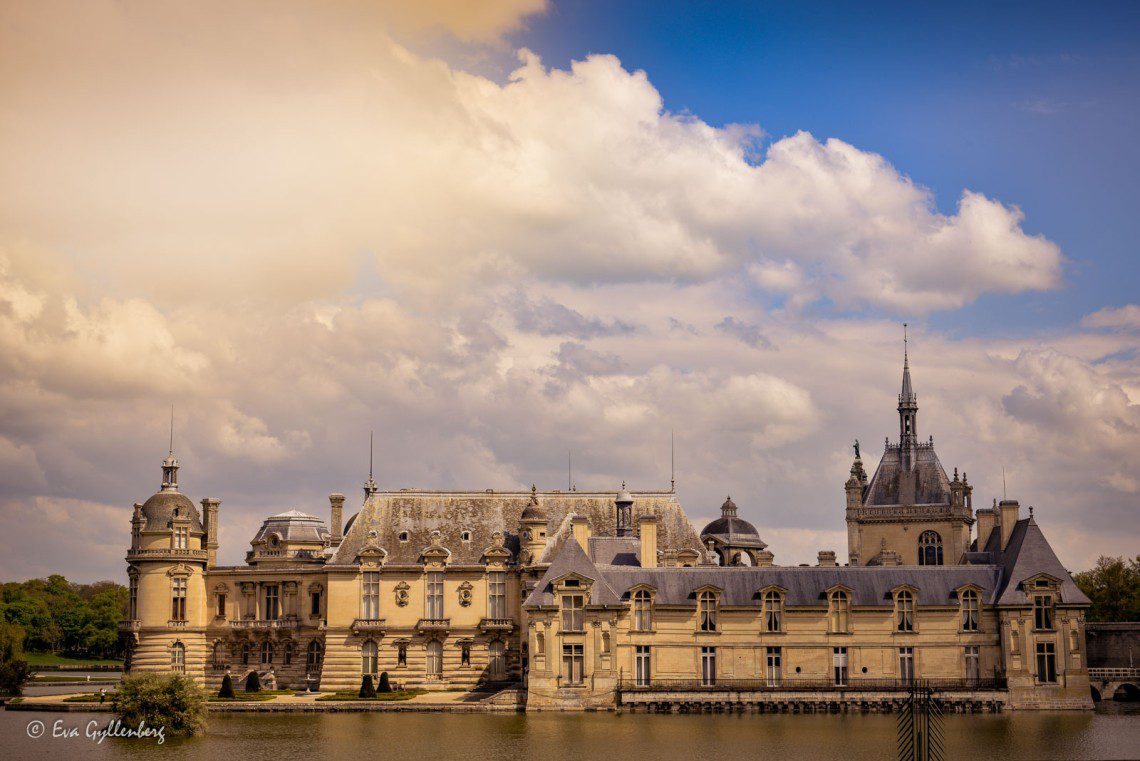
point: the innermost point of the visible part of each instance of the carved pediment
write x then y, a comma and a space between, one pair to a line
372, 555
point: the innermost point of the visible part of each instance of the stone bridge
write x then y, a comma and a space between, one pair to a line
1115, 683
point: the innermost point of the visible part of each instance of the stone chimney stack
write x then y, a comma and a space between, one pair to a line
647, 525
580, 525
210, 508
1008, 510
765, 559
987, 519
336, 524
827, 559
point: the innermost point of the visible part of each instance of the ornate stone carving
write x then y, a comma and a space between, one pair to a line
465, 594
402, 594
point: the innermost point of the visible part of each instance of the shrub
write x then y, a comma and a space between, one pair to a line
366, 688
253, 682
227, 690
384, 686
172, 701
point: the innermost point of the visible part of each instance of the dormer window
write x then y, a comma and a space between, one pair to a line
971, 611
839, 611
642, 611
573, 611
773, 612
706, 611
1043, 612
403, 537
181, 537
572, 583
465, 536
904, 611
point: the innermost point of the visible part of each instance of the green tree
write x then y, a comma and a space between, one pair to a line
172, 701
385, 685
60, 616
1113, 585
14, 670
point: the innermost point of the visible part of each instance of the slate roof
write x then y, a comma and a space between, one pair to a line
924, 484
293, 526
386, 515
1026, 555
159, 509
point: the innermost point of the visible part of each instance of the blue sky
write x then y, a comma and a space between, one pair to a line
1031, 103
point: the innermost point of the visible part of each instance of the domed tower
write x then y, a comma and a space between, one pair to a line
167, 561
532, 530
623, 502
733, 538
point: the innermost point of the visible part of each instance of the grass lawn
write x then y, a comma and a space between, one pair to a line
398, 695
249, 697
52, 659
88, 698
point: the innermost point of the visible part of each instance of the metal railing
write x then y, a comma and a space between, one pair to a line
268, 623
796, 684
168, 552
1114, 673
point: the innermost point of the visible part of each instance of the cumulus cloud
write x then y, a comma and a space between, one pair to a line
1122, 318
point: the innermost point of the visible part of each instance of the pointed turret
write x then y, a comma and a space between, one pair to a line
370, 486
908, 406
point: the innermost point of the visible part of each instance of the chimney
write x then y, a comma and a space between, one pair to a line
987, 519
765, 559
889, 558
336, 531
580, 525
1008, 510
648, 531
827, 559
210, 508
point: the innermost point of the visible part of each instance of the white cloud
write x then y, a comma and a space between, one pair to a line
1126, 317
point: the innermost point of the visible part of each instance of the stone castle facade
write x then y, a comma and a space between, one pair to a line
599, 599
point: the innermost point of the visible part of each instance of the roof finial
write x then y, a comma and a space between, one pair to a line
370, 485
172, 428
672, 464
904, 345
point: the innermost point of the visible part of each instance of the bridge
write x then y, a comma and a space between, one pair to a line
1115, 683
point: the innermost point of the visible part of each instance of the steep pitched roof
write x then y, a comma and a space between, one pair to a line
1028, 554
573, 560
925, 483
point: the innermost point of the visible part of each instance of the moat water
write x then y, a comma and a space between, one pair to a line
1111, 732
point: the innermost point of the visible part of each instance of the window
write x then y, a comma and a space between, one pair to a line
1046, 663
904, 611
245, 650
641, 669
971, 611
839, 666
181, 537
370, 596
973, 663
434, 658
403, 536
435, 595
465, 536
906, 664
133, 607
773, 610
497, 654
178, 658
272, 609
930, 548
178, 601
642, 611
369, 657
706, 611
840, 610
775, 667
287, 654
708, 666
497, 594
573, 613
219, 658
313, 658
572, 663
465, 655
221, 612
401, 655
266, 653
314, 603
1043, 612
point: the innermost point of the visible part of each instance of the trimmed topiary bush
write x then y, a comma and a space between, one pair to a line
171, 701
253, 682
227, 690
366, 688
384, 686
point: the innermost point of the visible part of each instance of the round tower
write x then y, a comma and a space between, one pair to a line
532, 530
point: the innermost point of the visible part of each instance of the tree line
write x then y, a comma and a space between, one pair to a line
66, 618
1113, 585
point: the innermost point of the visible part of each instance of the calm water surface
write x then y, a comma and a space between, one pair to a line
1112, 732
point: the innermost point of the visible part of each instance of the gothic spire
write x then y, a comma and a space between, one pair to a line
170, 464
370, 487
908, 403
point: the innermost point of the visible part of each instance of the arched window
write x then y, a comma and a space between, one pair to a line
904, 611
498, 665
245, 648
642, 611
773, 611
435, 658
368, 657
971, 611
706, 611
313, 658
839, 611
930, 548
266, 653
219, 659
178, 658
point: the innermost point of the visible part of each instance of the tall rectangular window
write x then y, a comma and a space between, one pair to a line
1043, 612
369, 657
971, 611
370, 596
314, 603
572, 663
435, 659
773, 608
973, 663
497, 594
641, 665
272, 609
497, 654
706, 610
435, 595
775, 667
708, 666
906, 664
573, 613
1046, 663
642, 611
178, 601
221, 612
839, 610
133, 607
904, 613
839, 666
181, 537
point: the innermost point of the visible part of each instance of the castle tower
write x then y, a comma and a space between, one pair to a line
532, 530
